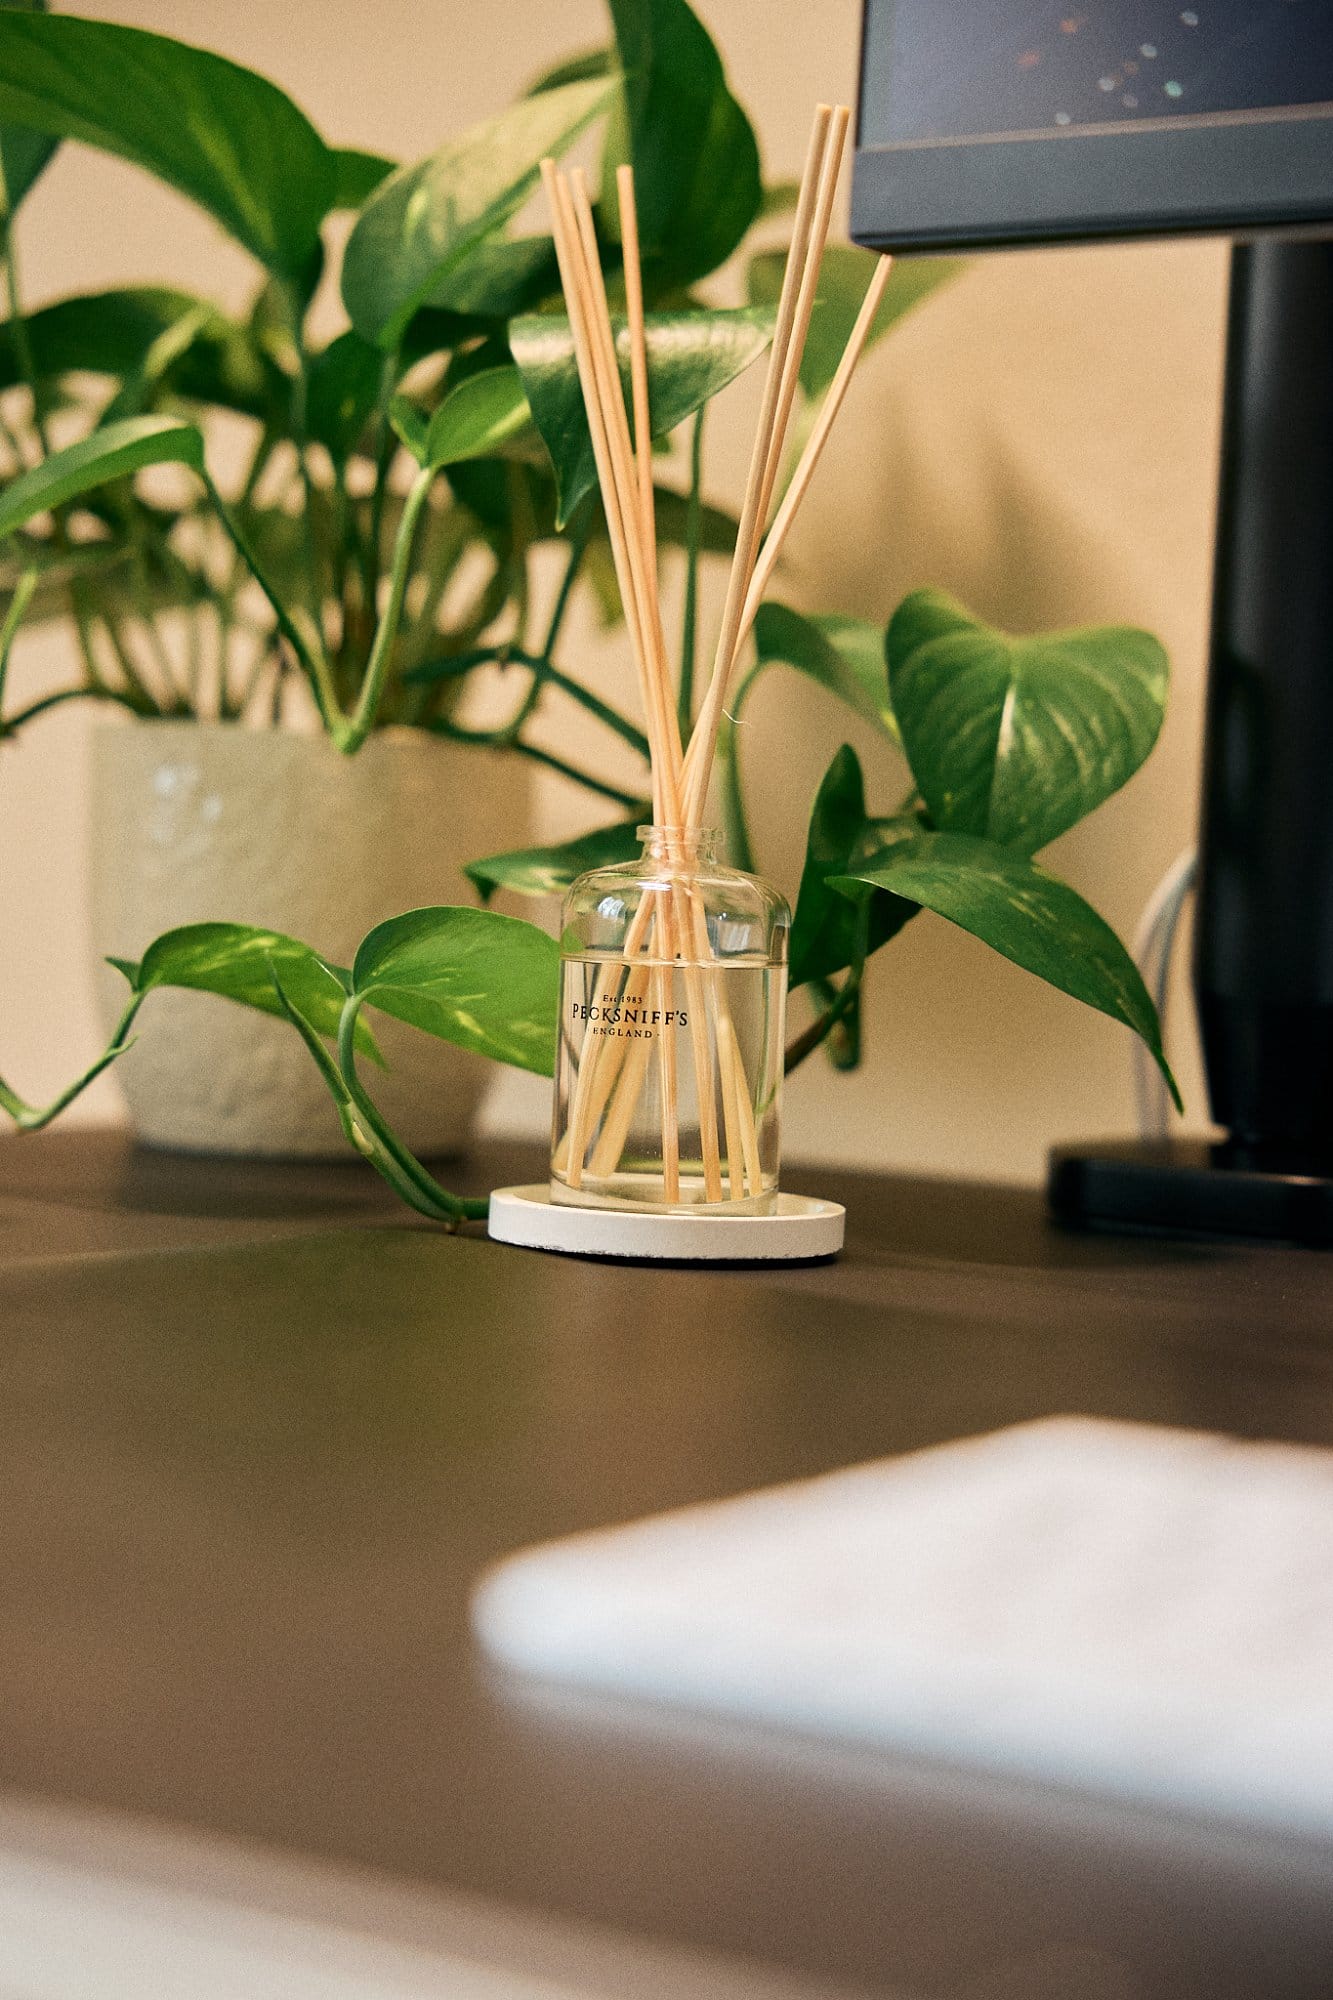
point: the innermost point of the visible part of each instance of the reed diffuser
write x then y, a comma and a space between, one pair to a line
669, 1072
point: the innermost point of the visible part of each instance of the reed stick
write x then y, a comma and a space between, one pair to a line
599, 377
751, 524
671, 931
830, 171
819, 435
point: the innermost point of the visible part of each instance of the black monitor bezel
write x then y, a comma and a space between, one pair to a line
1231, 175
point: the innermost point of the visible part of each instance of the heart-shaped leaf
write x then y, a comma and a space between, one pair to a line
500, 278
574, 69
844, 655
366, 1130
24, 155
227, 138
697, 182
343, 385
1019, 738
844, 275
1023, 913
691, 356
549, 871
421, 224
483, 981
115, 333
357, 175
478, 419
824, 931
237, 962
113, 453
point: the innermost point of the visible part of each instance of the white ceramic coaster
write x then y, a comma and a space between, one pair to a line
799, 1229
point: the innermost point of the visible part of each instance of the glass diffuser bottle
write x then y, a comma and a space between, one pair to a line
669, 1066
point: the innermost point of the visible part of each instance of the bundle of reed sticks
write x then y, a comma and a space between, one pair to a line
670, 931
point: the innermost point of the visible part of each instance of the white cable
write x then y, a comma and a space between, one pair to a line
1154, 943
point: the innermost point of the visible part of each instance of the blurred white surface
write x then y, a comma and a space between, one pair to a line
98, 1908
1133, 1611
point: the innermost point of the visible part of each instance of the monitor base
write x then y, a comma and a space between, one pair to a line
1188, 1187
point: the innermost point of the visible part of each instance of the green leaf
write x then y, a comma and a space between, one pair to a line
237, 962
549, 871
825, 926
115, 332
500, 278
24, 155
843, 277
1026, 915
422, 223
486, 982
697, 182
114, 453
410, 426
478, 419
1018, 738
342, 388
35, 1118
363, 1126
717, 528
844, 655
227, 138
780, 198
575, 69
691, 356
356, 175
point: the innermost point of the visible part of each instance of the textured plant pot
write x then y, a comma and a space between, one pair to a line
198, 821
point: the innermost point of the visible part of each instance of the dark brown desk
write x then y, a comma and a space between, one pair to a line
259, 1431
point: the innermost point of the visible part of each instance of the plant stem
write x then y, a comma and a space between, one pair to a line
385, 449
622, 726
152, 631
848, 994
313, 662
437, 1201
351, 733
31, 1118
301, 439
632, 801
137, 693
11, 724
10, 436
822, 1027
18, 325
500, 739
18, 604
735, 824
23, 354
578, 548
690, 619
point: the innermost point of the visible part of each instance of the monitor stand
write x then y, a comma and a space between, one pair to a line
1263, 963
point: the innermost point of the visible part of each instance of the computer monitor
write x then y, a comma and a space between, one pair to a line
990, 122
986, 123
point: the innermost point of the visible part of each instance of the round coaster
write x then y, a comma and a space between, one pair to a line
799, 1230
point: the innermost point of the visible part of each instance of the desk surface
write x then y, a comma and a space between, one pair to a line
260, 1430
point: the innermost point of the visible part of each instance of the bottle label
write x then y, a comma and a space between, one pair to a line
631, 1020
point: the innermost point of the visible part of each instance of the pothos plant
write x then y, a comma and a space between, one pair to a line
377, 550
375, 547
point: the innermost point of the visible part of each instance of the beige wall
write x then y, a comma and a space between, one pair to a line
1041, 438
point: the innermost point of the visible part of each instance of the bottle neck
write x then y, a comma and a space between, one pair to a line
689, 847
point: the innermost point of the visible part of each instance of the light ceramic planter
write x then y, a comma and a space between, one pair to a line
199, 821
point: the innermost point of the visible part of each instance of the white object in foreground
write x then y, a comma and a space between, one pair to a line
799, 1230
98, 1907
1130, 1610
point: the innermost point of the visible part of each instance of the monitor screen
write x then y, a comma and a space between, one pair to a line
1024, 120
